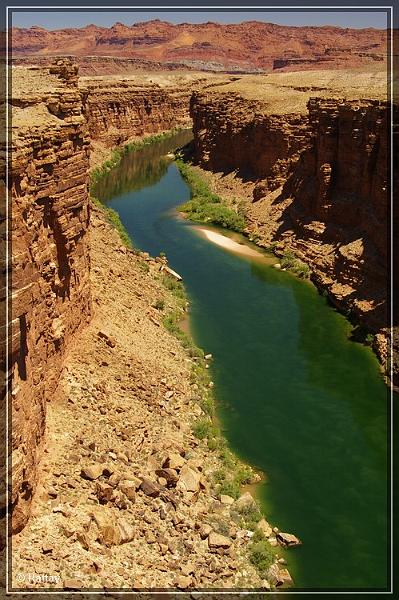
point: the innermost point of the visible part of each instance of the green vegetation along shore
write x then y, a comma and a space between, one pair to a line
205, 206
232, 473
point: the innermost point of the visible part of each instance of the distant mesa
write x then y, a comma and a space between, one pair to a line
249, 46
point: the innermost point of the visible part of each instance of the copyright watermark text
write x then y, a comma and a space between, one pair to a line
35, 578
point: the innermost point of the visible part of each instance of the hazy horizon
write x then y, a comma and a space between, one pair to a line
53, 20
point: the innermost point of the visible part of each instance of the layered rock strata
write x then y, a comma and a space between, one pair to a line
320, 185
117, 111
54, 123
50, 289
243, 46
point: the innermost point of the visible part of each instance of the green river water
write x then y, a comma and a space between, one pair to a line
296, 398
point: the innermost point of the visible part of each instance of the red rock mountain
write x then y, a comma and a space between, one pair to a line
248, 45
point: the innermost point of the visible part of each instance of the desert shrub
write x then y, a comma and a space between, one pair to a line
159, 304
261, 555
250, 516
292, 263
203, 428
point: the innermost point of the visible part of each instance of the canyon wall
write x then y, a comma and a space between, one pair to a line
320, 188
50, 285
231, 133
117, 111
55, 124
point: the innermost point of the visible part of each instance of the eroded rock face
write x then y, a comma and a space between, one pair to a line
119, 110
321, 189
259, 145
340, 192
50, 256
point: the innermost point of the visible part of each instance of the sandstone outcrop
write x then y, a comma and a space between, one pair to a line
50, 256
320, 186
102, 65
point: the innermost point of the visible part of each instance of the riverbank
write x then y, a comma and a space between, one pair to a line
124, 497
134, 481
237, 195
272, 372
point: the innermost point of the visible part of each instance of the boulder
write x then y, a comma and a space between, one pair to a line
189, 480
273, 541
114, 479
288, 539
109, 533
216, 540
104, 492
174, 461
92, 472
245, 501
264, 527
205, 530
128, 488
150, 488
226, 500
126, 531
170, 475
279, 577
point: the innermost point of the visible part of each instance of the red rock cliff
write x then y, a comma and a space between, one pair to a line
119, 110
50, 255
54, 122
246, 46
231, 133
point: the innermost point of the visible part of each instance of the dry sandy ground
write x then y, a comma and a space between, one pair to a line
282, 93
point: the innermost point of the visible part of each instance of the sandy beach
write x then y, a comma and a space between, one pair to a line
228, 243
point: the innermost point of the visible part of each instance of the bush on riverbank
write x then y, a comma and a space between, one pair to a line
261, 555
205, 206
290, 262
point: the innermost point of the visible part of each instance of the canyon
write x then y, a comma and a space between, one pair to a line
315, 175
75, 367
244, 47
307, 155
53, 125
